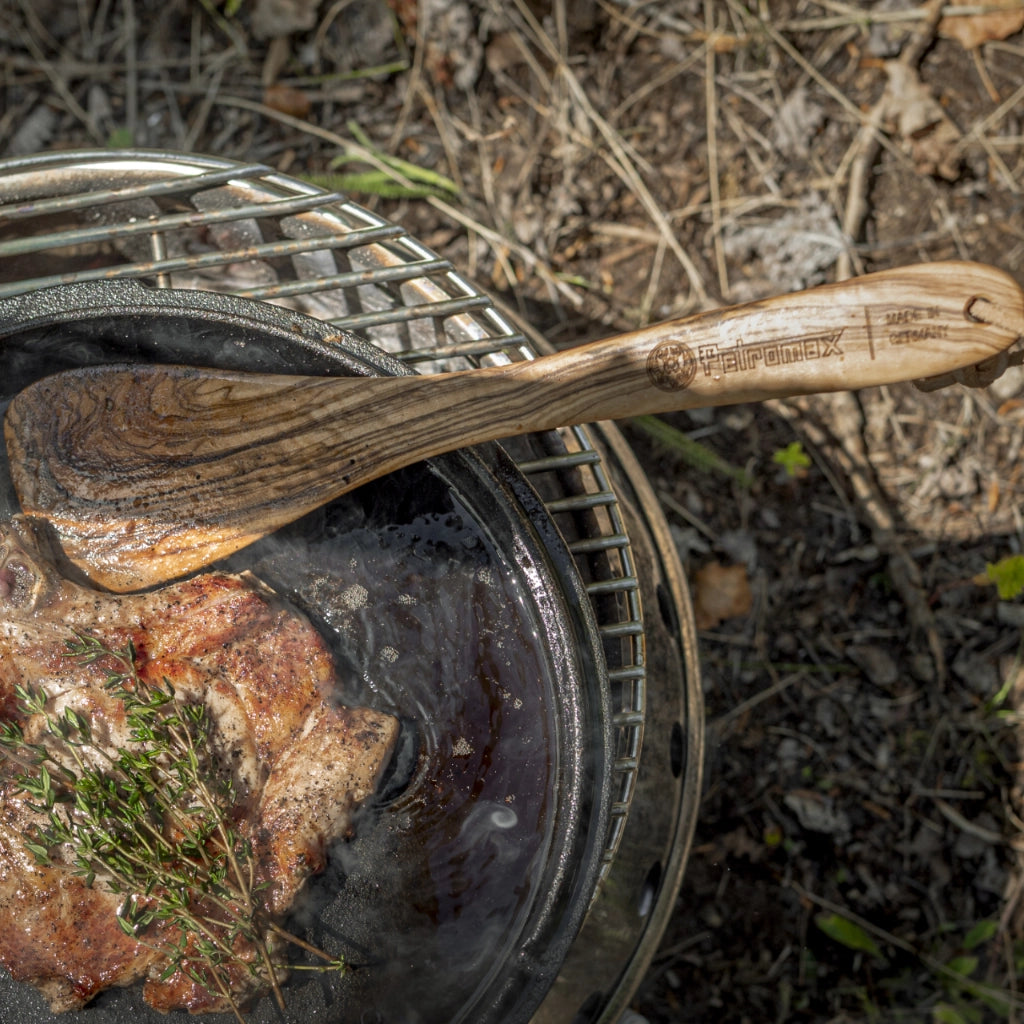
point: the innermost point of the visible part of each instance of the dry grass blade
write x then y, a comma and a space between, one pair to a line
711, 118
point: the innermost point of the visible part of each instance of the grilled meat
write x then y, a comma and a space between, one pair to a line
301, 762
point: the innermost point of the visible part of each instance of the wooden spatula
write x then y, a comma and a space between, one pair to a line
150, 472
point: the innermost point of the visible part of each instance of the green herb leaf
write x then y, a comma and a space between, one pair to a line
848, 933
981, 932
41, 853
793, 459
943, 1013
389, 176
963, 965
1008, 575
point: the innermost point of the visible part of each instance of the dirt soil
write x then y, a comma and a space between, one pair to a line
608, 164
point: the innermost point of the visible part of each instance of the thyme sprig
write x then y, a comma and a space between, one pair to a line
152, 822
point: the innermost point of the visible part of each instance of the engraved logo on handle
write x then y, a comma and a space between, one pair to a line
671, 365
717, 360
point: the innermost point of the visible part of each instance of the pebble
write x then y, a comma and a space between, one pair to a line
876, 663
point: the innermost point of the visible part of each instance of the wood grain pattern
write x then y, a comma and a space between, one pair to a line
150, 472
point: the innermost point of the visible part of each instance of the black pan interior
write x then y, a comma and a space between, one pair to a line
449, 600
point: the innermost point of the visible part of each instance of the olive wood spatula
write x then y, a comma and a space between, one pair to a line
150, 472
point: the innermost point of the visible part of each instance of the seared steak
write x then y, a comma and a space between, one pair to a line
302, 763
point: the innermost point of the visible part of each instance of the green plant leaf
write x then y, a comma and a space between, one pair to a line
1008, 575
963, 965
120, 138
420, 175
375, 183
693, 452
392, 177
847, 933
943, 1013
981, 932
793, 459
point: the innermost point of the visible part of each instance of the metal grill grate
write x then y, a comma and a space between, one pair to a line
243, 229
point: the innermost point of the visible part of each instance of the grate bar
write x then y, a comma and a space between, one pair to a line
629, 718
148, 225
348, 279
164, 187
622, 629
627, 672
583, 502
405, 313
467, 349
202, 261
614, 586
592, 545
555, 462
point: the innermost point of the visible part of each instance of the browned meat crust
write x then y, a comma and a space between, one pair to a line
301, 762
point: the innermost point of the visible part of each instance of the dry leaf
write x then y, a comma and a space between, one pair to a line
287, 100
922, 123
971, 31
720, 592
503, 53
818, 813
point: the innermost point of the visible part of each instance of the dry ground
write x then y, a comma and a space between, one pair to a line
612, 163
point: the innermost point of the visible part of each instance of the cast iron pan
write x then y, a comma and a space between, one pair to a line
449, 600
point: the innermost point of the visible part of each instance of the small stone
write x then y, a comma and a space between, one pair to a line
876, 663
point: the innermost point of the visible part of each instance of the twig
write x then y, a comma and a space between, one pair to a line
210, 97
415, 77
653, 280
711, 118
442, 124
226, 26
686, 515
131, 72
717, 725
954, 817
856, 14
851, 453
979, 131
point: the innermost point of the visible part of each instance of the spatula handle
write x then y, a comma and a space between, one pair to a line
896, 325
